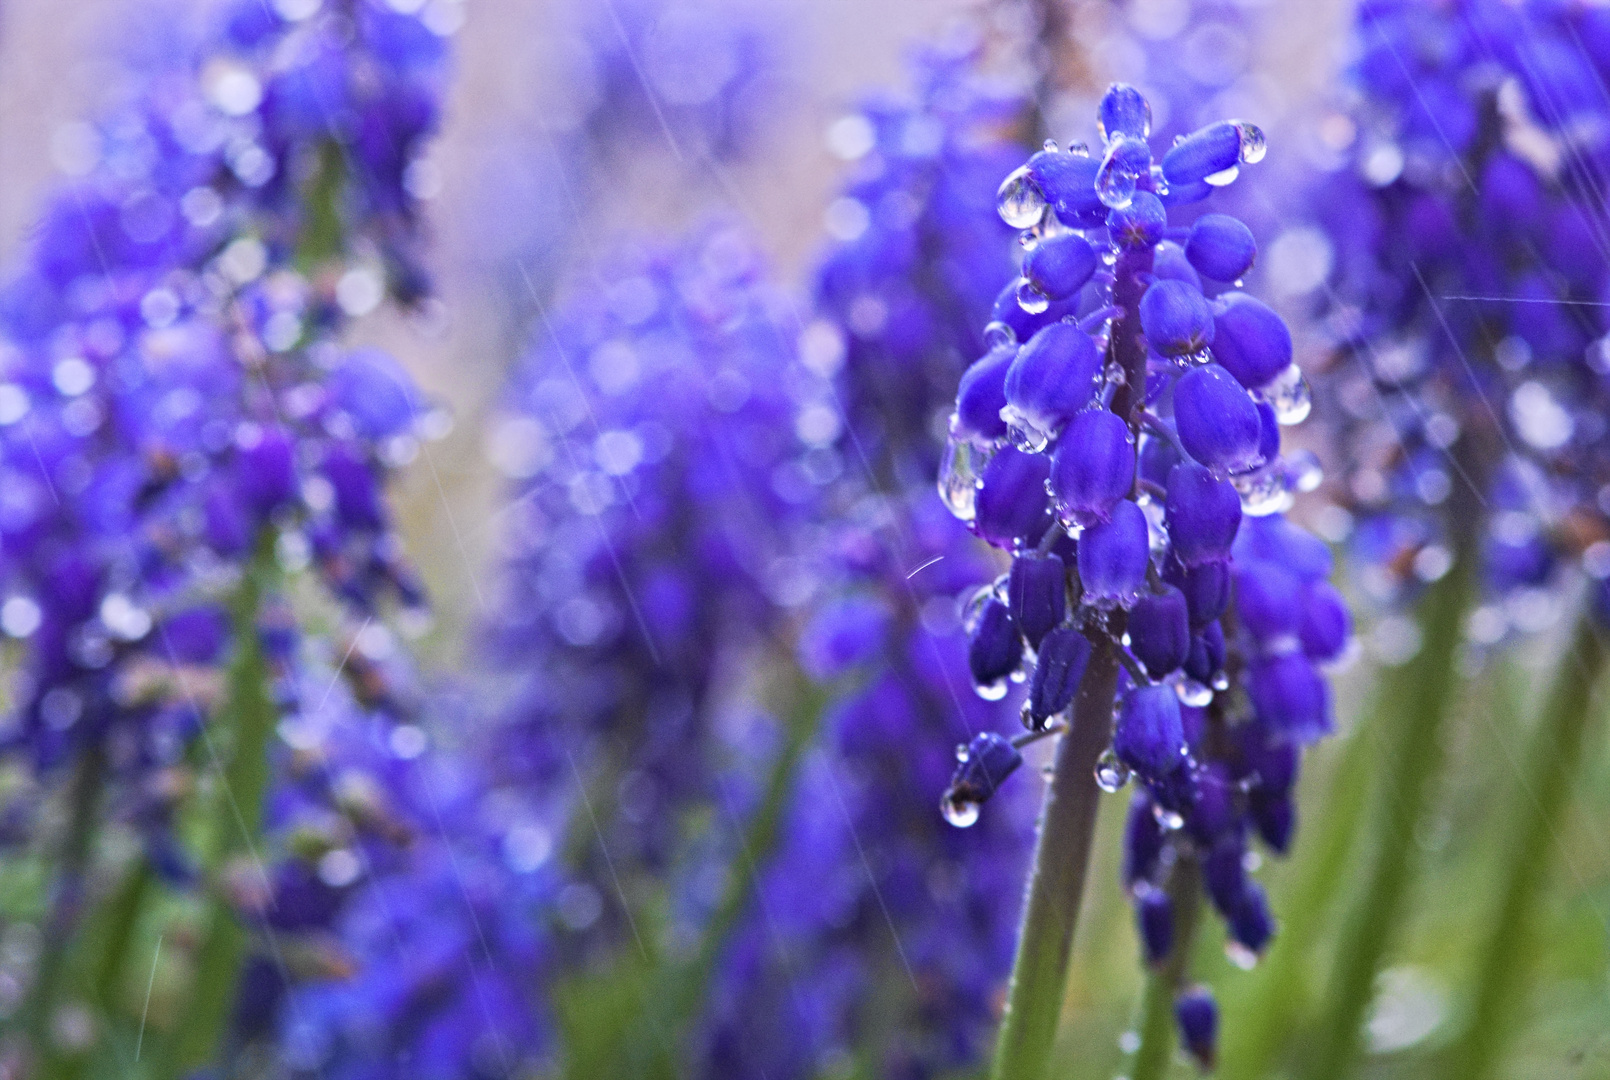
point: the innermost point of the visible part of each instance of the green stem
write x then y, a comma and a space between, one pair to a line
1553, 762
1418, 697
1164, 982
1280, 997
249, 716
1056, 881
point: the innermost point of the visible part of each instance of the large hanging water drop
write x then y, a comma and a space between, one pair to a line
1120, 172
1288, 395
1031, 299
960, 471
1264, 491
1019, 201
1253, 145
1111, 773
962, 813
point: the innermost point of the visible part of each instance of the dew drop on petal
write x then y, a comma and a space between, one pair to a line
962, 813
1111, 773
1019, 201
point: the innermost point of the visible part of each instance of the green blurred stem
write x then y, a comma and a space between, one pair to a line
1280, 998
248, 716
1416, 699
1166, 980
1057, 878
1552, 765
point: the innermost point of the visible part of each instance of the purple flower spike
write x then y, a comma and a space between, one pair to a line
1250, 340
1289, 696
1012, 507
995, 648
1154, 918
1113, 557
1037, 592
981, 396
1160, 631
1221, 247
1094, 467
1197, 1017
1058, 668
1150, 737
1202, 514
1218, 422
1176, 318
1051, 380
1139, 225
1059, 266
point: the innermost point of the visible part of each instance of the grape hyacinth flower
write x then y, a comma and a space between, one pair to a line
1154, 476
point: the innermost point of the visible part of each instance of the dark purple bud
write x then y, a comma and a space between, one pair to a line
1207, 654
1326, 623
1053, 377
357, 492
995, 650
981, 395
1203, 153
1250, 340
1251, 925
1160, 631
1058, 667
1157, 457
1113, 557
1177, 319
1213, 810
265, 470
1124, 111
1139, 225
1269, 762
1202, 514
1154, 918
1206, 589
1170, 263
1059, 266
1221, 247
986, 763
1217, 420
1289, 697
1149, 737
1269, 602
1274, 539
1143, 840
1068, 182
1037, 591
1275, 818
1093, 468
1012, 506
1197, 1018
1023, 323
1224, 873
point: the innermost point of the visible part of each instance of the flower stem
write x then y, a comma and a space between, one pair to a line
1553, 763
1417, 698
1057, 878
1163, 982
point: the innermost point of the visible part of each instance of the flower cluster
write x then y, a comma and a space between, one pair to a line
1121, 437
1466, 304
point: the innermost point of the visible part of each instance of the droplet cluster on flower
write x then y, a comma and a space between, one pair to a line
1121, 438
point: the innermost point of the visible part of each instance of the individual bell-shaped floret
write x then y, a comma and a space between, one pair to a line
981, 396
1213, 809
1160, 631
1207, 655
1113, 556
1251, 924
1221, 247
1224, 872
1059, 266
1037, 594
1169, 263
1206, 589
1124, 110
1144, 840
1154, 919
1289, 696
1059, 666
1157, 458
1126, 161
994, 649
1012, 506
1139, 225
1150, 737
1052, 379
1197, 1018
1274, 539
980, 771
1250, 340
1093, 468
1275, 818
1269, 604
1068, 182
1326, 623
1176, 318
1213, 153
265, 469
1218, 422
1202, 514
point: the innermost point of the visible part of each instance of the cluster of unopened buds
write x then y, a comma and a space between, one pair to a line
1121, 438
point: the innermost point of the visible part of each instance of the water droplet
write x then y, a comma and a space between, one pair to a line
1241, 956
1264, 491
1159, 182
961, 752
1253, 145
1129, 1042
959, 473
1019, 201
1025, 434
1221, 682
1030, 299
962, 813
1168, 820
1303, 471
1193, 693
1224, 177
1111, 774
1188, 360
1049, 146
1079, 148
1288, 395
998, 335
994, 691
1117, 178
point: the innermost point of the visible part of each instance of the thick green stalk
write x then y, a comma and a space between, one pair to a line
1417, 698
1057, 879
248, 715
1264, 1023
1164, 982
1552, 765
